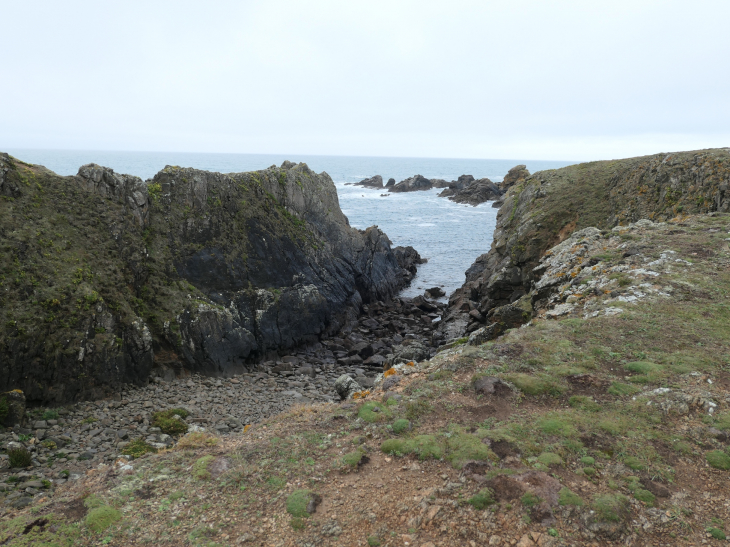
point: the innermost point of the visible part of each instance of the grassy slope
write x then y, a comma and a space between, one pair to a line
593, 436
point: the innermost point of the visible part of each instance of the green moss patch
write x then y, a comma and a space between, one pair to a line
373, 411
171, 421
610, 507
462, 447
535, 385
138, 448
401, 426
102, 517
200, 467
297, 502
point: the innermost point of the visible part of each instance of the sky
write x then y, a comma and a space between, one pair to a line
561, 80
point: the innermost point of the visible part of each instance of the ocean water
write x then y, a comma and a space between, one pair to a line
448, 234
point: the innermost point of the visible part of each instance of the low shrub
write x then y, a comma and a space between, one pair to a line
353, 459
401, 426
50, 415
196, 439
716, 533
482, 499
296, 503
645, 496
462, 447
610, 507
568, 497
19, 457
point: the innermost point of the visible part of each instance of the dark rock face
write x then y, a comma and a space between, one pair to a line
192, 270
373, 182
544, 209
473, 192
391, 182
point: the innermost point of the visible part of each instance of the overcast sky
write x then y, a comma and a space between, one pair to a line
570, 80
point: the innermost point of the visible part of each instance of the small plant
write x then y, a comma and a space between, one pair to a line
353, 459
482, 499
718, 459
716, 533
587, 460
196, 439
138, 448
589, 471
529, 499
298, 523
50, 445
533, 385
401, 426
50, 415
373, 541
634, 463
19, 457
645, 496
567, 497
65, 473
610, 507
171, 421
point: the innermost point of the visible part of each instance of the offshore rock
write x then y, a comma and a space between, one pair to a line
472, 192
190, 271
373, 182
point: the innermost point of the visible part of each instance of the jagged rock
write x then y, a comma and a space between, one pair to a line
126, 189
372, 182
391, 182
514, 176
345, 386
435, 292
472, 191
412, 184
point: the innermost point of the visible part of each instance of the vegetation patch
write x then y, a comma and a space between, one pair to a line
138, 448
19, 457
401, 426
535, 385
102, 517
610, 507
297, 503
718, 459
172, 421
568, 497
482, 499
200, 467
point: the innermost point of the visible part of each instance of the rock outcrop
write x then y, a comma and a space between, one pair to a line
514, 176
105, 277
416, 183
372, 182
470, 191
545, 208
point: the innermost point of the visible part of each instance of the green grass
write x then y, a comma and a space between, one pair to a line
621, 389
353, 459
102, 517
716, 533
367, 412
482, 499
529, 499
535, 385
718, 459
19, 457
645, 496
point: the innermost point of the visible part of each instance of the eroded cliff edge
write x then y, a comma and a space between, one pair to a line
545, 208
104, 276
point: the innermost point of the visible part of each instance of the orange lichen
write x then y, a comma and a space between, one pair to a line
389, 372
410, 364
245, 427
361, 394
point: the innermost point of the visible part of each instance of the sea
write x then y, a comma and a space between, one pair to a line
450, 235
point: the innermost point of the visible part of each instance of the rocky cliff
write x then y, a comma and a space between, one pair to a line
104, 276
543, 209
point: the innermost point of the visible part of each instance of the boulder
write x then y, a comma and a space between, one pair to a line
409, 350
346, 386
391, 182
412, 184
473, 192
434, 292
